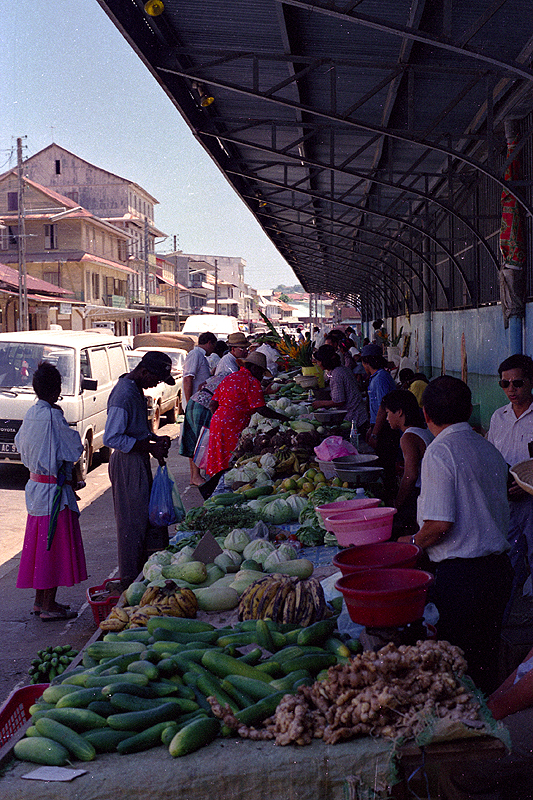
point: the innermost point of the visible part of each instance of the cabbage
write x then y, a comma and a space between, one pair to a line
236, 540
302, 426
152, 571
234, 555
297, 505
287, 551
162, 557
291, 411
255, 545
282, 403
242, 474
276, 557
261, 555
268, 460
264, 477
277, 512
183, 555
255, 420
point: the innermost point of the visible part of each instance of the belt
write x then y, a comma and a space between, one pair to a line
47, 479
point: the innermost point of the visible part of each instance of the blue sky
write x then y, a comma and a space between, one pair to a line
69, 76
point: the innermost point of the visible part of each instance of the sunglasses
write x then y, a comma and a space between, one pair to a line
516, 384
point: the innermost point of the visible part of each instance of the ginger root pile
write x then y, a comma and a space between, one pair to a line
388, 693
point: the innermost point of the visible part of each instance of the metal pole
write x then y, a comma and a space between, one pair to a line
146, 280
216, 286
23, 321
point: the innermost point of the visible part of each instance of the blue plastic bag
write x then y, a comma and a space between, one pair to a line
161, 511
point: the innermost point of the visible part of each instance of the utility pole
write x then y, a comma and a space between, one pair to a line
176, 288
216, 286
23, 320
146, 280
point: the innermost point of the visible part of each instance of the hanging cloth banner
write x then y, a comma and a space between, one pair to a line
512, 247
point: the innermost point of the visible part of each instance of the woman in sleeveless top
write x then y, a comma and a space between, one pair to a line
405, 415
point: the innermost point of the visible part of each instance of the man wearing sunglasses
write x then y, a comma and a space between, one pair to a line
510, 431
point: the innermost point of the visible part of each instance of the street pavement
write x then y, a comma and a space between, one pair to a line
22, 633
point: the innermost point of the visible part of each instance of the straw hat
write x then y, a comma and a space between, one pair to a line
237, 340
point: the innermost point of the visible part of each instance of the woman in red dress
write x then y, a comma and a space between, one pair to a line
236, 398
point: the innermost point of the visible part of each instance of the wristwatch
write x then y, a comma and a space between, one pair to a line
413, 537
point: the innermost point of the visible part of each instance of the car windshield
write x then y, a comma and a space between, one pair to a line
132, 360
19, 360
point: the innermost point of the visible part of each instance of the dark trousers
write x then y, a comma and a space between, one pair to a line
471, 595
387, 448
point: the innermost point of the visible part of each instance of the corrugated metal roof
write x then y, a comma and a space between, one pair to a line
340, 124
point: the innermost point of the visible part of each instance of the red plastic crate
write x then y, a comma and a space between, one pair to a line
15, 712
101, 608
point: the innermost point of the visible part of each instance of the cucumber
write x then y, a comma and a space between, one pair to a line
252, 656
125, 687
228, 499
72, 741
337, 647
223, 665
313, 662
264, 637
182, 637
35, 707
140, 720
261, 710
298, 568
257, 690
239, 639
144, 668
101, 650
173, 727
41, 750
79, 699
181, 624
127, 702
94, 681
142, 635
54, 693
79, 719
106, 739
194, 736
243, 700
210, 687
271, 668
101, 707
151, 737
317, 633
119, 661
258, 491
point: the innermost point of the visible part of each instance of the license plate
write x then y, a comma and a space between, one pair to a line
7, 448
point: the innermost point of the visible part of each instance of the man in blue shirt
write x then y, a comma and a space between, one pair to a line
127, 431
380, 436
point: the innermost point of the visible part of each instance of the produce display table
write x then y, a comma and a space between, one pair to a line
229, 769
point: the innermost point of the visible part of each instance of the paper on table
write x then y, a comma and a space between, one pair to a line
54, 774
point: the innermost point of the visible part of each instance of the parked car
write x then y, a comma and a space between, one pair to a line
219, 324
90, 365
162, 399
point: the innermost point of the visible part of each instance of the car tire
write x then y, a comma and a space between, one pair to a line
173, 412
156, 419
86, 458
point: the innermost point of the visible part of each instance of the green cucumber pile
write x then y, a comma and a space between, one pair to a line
149, 687
50, 662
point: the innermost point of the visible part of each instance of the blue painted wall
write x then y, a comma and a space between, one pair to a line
487, 344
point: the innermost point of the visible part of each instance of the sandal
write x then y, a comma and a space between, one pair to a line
37, 608
62, 613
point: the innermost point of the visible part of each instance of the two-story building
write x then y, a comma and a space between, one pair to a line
67, 246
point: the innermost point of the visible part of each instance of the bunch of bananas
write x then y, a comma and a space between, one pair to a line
168, 601
286, 461
284, 599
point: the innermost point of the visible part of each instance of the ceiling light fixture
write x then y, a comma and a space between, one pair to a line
154, 7
205, 98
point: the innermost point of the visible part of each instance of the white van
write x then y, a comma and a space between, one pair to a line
90, 364
219, 324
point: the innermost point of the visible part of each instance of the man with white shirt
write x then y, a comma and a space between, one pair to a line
238, 350
464, 517
511, 431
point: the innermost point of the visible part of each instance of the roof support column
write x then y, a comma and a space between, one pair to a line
515, 320
427, 315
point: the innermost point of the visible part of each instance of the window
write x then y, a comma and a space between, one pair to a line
100, 365
95, 285
73, 196
12, 201
122, 250
50, 237
52, 277
12, 236
58, 166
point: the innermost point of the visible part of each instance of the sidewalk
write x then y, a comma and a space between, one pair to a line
24, 634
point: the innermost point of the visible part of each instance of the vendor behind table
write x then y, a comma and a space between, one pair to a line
343, 388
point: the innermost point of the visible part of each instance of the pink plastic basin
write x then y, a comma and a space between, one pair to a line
361, 527
377, 556
357, 504
383, 598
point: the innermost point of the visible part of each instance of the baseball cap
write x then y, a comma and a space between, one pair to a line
159, 364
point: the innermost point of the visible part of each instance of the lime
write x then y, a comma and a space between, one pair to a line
310, 474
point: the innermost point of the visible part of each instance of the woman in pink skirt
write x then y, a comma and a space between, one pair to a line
52, 554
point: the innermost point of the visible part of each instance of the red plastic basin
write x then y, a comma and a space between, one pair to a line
383, 598
357, 504
377, 556
361, 527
